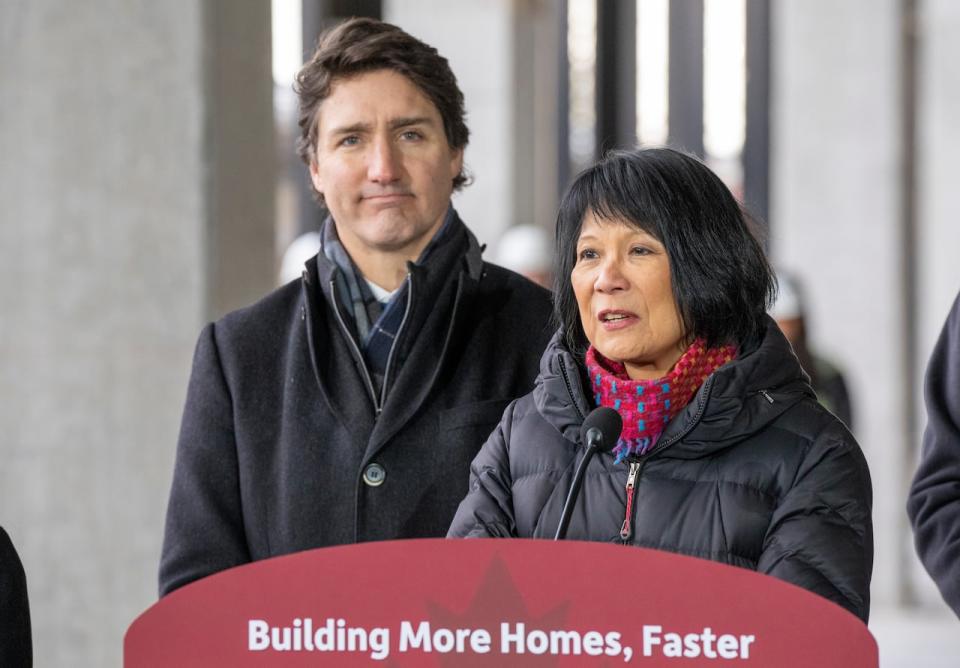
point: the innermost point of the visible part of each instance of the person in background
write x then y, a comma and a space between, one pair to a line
933, 504
16, 646
296, 256
725, 453
789, 310
347, 406
527, 250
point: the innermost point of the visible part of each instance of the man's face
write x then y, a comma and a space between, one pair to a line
383, 164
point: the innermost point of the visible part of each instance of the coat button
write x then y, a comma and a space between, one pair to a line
374, 475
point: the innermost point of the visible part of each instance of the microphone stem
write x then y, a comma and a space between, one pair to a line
573, 493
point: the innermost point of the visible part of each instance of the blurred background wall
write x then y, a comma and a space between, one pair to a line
148, 184
136, 202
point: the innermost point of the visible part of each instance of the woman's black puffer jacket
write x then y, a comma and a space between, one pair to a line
753, 473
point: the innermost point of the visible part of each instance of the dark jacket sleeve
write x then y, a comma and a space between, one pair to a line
16, 647
487, 510
204, 527
934, 500
821, 534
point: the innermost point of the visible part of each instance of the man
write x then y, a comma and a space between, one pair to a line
16, 646
790, 312
347, 406
934, 501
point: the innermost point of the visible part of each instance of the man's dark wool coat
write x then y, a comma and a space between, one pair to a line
934, 501
280, 424
16, 646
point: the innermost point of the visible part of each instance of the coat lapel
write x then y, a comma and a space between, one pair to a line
434, 330
338, 374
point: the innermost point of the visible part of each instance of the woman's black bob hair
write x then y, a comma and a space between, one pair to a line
722, 281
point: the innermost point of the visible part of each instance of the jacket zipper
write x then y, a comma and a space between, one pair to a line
566, 380
626, 529
396, 339
356, 350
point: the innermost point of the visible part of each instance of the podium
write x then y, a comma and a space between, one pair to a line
495, 603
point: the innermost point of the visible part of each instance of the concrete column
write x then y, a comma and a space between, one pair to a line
616, 71
938, 136
504, 55
537, 41
835, 220
685, 81
239, 153
136, 195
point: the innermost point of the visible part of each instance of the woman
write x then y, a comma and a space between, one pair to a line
725, 454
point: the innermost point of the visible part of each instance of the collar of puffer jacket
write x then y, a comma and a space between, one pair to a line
735, 402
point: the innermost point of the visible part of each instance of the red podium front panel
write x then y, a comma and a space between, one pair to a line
495, 603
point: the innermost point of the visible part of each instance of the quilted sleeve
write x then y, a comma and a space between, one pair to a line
821, 533
487, 509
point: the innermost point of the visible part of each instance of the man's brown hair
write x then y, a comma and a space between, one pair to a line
362, 45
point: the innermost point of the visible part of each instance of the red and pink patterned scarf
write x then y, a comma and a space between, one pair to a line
646, 406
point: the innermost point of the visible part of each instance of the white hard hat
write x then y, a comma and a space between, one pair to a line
789, 304
298, 252
525, 249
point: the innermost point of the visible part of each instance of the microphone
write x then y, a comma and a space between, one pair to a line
599, 432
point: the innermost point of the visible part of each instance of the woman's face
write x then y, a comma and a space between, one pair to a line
621, 280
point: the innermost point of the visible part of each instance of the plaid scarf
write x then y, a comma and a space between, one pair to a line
646, 406
375, 325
